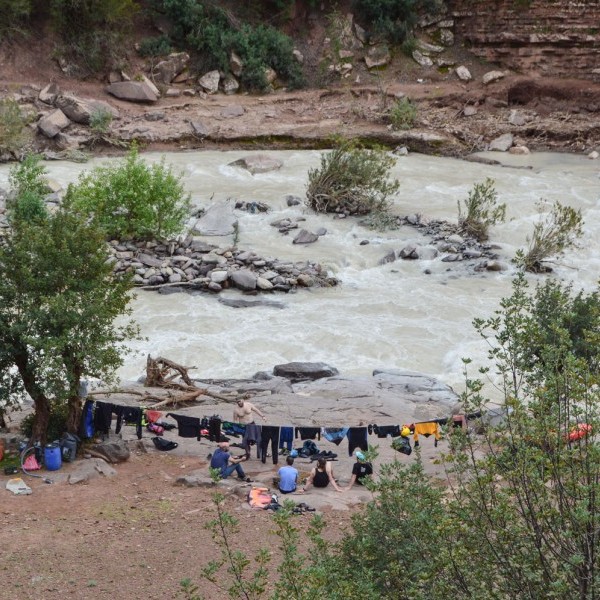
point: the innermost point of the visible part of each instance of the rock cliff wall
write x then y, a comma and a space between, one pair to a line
558, 38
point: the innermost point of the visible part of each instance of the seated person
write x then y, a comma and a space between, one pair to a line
321, 476
360, 470
221, 459
288, 477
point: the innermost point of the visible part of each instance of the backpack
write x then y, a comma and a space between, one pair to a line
163, 444
309, 448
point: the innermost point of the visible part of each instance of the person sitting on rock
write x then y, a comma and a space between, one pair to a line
288, 477
360, 470
221, 460
321, 476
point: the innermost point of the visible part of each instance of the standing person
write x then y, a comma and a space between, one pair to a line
360, 470
242, 411
221, 460
321, 476
288, 477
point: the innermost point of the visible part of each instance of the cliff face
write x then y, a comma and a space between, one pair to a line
555, 38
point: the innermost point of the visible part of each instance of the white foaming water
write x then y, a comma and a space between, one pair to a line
381, 316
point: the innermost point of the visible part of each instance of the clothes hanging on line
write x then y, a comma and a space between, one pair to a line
214, 429
286, 437
233, 429
382, 431
103, 417
129, 414
308, 433
334, 435
426, 429
268, 434
187, 427
252, 437
357, 438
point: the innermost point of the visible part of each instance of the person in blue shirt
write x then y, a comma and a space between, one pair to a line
227, 464
288, 477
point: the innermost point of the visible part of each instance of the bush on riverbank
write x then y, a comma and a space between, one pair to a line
132, 199
352, 180
481, 210
14, 135
552, 235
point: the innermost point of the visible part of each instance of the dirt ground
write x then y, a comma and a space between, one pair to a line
133, 536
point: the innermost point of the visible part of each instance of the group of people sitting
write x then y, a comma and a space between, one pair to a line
320, 476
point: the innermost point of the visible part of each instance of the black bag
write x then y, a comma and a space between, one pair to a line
402, 444
163, 444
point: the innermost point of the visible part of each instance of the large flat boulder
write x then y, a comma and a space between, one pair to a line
53, 123
258, 163
219, 219
302, 371
132, 91
80, 110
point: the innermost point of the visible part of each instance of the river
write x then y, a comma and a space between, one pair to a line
381, 316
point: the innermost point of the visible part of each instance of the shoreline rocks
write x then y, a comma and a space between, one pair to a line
193, 265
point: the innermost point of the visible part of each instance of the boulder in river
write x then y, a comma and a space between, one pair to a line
301, 371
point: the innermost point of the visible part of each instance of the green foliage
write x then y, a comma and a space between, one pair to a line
57, 424
58, 303
518, 515
156, 46
403, 114
394, 19
213, 34
481, 210
28, 189
100, 120
132, 199
14, 135
352, 180
13, 15
552, 236
240, 583
92, 30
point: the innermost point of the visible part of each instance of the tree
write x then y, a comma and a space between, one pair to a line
552, 236
58, 303
481, 210
132, 199
352, 180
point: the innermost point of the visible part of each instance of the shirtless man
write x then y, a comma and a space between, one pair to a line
242, 412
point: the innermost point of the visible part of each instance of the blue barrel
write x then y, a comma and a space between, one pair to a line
52, 457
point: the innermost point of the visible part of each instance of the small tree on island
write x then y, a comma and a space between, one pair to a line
58, 304
132, 199
552, 236
352, 180
481, 210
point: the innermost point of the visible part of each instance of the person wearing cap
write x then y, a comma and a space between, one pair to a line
227, 464
360, 470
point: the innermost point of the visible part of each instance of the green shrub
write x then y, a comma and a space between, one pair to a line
92, 30
28, 189
212, 34
352, 180
403, 114
132, 199
57, 424
393, 19
481, 210
100, 120
14, 135
13, 15
552, 235
156, 46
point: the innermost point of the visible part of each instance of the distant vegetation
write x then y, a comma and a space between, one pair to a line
132, 199
14, 135
352, 180
480, 210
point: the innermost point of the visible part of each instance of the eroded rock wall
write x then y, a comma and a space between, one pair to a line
547, 37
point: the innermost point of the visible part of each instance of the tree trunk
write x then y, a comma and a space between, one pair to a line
74, 414
41, 403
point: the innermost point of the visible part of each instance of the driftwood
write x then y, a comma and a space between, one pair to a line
160, 372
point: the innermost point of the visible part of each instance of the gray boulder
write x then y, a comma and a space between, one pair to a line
219, 219
502, 143
53, 123
166, 70
90, 469
305, 237
210, 82
302, 371
258, 163
112, 452
132, 91
49, 94
244, 280
80, 110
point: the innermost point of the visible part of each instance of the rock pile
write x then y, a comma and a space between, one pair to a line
194, 265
